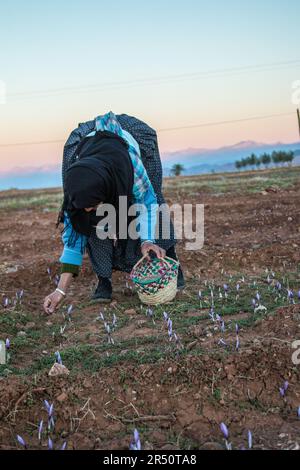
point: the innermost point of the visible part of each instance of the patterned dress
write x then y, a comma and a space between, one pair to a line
104, 255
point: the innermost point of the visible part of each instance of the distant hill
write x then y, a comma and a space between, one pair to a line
195, 161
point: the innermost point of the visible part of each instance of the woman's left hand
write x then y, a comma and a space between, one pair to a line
148, 246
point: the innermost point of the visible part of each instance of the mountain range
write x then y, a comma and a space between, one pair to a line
194, 160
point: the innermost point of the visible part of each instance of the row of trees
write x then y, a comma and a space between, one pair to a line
277, 158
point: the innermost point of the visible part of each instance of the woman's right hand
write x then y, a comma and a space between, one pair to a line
52, 301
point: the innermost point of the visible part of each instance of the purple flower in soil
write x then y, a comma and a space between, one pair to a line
224, 430
223, 326
58, 357
114, 322
21, 441
212, 314
257, 296
40, 430
237, 328
170, 328
286, 385
101, 316
166, 316
278, 286
226, 287
70, 310
282, 392
200, 295
290, 294
298, 412
50, 410
237, 345
63, 447
49, 272
136, 443
238, 286
250, 440
299, 294
47, 405
218, 317
253, 303
50, 444
149, 312
7, 344
5, 302
222, 342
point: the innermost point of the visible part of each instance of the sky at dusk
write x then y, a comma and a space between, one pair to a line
170, 63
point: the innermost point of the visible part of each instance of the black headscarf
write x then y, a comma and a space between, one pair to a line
102, 173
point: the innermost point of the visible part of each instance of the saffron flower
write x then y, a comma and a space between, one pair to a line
298, 412
7, 344
136, 443
224, 430
250, 440
58, 357
166, 316
170, 328
50, 444
5, 302
21, 441
237, 345
237, 328
63, 447
40, 430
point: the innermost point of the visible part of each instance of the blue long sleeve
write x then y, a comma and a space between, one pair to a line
72, 254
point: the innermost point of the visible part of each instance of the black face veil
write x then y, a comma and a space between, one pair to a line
102, 173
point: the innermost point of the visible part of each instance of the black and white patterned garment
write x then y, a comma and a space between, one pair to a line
103, 254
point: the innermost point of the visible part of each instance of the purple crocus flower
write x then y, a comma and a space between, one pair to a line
222, 342
7, 344
282, 392
224, 430
5, 302
47, 405
253, 303
258, 297
21, 441
114, 322
299, 294
250, 440
149, 312
63, 447
40, 430
70, 310
286, 385
200, 294
166, 316
223, 326
170, 328
50, 444
237, 328
58, 357
136, 444
238, 286
298, 412
237, 345
218, 318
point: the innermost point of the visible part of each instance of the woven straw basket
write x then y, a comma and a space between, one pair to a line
155, 279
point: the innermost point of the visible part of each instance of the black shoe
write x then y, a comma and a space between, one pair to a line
180, 279
103, 293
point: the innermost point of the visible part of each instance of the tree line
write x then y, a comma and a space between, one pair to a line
266, 159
